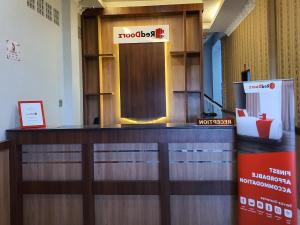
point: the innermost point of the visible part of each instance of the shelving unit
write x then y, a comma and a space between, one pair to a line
190, 59
101, 65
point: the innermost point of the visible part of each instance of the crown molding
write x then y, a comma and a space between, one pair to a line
244, 13
85, 4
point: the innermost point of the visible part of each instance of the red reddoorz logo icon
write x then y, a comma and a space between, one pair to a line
260, 86
158, 33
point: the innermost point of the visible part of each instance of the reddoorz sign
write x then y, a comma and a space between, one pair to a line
141, 34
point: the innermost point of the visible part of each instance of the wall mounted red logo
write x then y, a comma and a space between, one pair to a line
262, 86
159, 33
141, 34
259, 86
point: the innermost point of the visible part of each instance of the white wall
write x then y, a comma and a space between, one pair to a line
40, 75
72, 64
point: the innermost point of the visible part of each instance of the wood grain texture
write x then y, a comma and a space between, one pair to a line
92, 109
53, 210
135, 161
202, 161
5, 145
110, 112
193, 32
142, 76
90, 67
51, 162
127, 210
90, 39
203, 210
91, 76
4, 185
125, 201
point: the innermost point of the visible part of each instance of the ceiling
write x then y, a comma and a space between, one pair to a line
218, 15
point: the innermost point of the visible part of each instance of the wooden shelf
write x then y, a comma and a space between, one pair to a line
193, 53
99, 55
182, 53
177, 53
100, 71
106, 93
107, 55
188, 92
98, 94
91, 94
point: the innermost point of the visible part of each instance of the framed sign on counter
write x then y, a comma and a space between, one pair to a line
31, 114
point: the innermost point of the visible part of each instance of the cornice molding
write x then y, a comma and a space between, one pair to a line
85, 4
244, 13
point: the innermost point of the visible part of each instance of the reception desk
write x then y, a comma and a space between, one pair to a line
164, 174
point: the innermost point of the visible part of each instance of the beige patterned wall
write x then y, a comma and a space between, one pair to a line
288, 44
248, 44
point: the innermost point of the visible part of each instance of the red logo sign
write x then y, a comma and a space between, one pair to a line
272, 85
159, 33
262, 86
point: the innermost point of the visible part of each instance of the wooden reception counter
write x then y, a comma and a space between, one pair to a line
123, 175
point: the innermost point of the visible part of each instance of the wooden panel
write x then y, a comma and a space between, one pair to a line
110, 112
52, 210
90, 38
92, 76
177, 73
138, 139
142, 76
127, 210
193, 37
193, 73
126, 162
202, 161
109, 84
202, 171
4, 187
93, 109
178, 114
203, 210
194, 107
51, 162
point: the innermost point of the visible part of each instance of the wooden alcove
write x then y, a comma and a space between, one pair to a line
183, 61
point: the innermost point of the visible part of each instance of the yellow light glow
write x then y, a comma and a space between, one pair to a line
167, 90
118, 85
100, 71
131, 121
167, 80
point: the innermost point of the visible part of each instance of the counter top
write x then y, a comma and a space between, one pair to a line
126, 127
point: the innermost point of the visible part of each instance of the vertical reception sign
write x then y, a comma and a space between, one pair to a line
267, 158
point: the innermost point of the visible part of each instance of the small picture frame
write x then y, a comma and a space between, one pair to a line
31, 114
